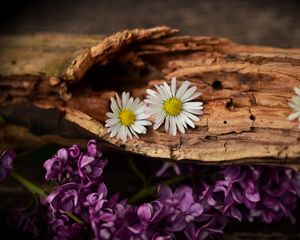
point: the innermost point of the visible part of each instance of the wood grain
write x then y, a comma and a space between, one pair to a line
245, 90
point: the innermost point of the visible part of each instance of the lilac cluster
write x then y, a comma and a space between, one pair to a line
180, 214
6, 163
258, 192
79, 206
78, 176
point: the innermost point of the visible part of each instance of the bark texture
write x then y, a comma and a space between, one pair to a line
245, 90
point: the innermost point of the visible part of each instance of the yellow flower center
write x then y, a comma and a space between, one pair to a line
172, 106
127, 117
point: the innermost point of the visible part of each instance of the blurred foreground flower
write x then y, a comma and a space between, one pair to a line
6, 163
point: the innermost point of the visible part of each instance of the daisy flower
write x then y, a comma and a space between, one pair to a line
174, 107
295, 105
127, 118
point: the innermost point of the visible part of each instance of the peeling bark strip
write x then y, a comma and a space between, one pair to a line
245, 89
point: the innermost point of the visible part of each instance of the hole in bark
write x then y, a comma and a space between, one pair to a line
116, 77
217, 85
13, 62
231, 58
252, 117
230, 105
225, 122
211, 138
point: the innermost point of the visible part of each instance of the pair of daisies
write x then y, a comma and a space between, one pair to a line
166, 105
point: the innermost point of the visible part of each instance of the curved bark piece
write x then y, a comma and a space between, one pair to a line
245, 90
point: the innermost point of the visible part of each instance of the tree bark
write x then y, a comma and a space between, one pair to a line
245, 90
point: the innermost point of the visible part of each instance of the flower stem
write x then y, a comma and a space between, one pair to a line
137, 171
146, 192
37, 190
74, 218
29, 185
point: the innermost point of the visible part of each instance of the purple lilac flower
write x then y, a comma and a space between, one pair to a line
6, 163
59, 167
75, 164
79, 187
63, 228
180, 212
269, 193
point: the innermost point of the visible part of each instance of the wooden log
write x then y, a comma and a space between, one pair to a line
245, 89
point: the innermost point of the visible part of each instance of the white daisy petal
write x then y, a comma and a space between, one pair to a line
154, 110
182, 89
151, 101
143, 122
179, 124
293, 116
295, 105
297, 90
161, 92
114, 106
181, 119
118, 101
167, 123
125, 99
128, 117
128, 132
152, 93
167, 89
136, 128
173, 86
191, 116
189, 93
139, 128
111, 115
114, 131
192, 97
133, 132
159, 120
173, 128
141, 116
187, 120
130, 104
111, 122
192, 105
194, 111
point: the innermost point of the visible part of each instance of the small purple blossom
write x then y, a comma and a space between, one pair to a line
63, 228
6, 163
70, 164
64, 198
151, 212
269, 193
57, 167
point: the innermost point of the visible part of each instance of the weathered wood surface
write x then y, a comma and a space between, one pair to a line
245, 89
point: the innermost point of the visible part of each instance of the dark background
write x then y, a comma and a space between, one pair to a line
274, 23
